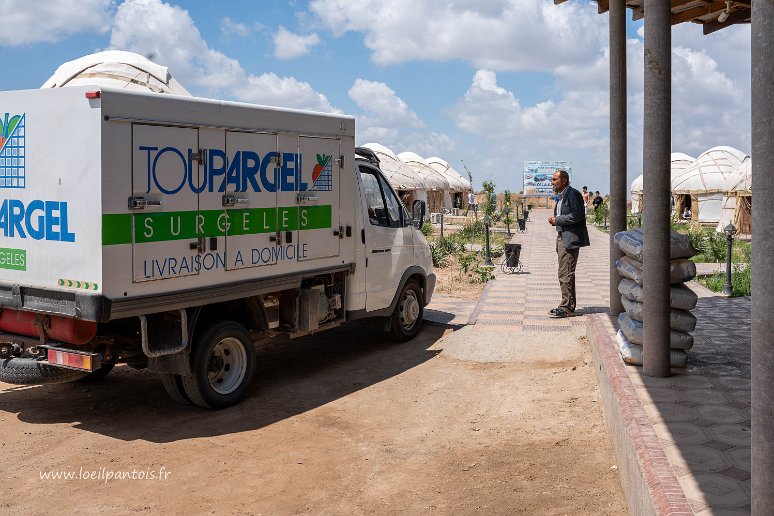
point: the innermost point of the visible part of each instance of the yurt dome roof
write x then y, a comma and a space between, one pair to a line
680, 164
713, 171
637, 185
118, 69
456, 181
742, 179
434, 180
398, 174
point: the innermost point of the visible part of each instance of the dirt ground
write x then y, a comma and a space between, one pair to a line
334, 424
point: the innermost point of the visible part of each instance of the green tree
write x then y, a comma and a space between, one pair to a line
508, 207
489, 206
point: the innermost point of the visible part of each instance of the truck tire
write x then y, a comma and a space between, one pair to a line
173, 384
407, 317
29, 371
223, 364
99, 374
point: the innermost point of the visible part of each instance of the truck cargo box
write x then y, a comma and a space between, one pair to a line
117, 203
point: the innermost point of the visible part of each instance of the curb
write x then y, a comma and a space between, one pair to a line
647, 478
480, 304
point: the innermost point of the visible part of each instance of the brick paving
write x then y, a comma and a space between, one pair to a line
689, 434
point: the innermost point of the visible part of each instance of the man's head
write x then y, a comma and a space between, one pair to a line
585, 189
560, 180
596, 193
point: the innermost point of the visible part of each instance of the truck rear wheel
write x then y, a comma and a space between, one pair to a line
223, 364
173, 385
29, 371
407, 317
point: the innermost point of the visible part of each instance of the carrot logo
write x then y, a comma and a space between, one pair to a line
322, 173
7, 127
12, 149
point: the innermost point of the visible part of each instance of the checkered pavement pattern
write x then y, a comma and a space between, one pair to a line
521, 301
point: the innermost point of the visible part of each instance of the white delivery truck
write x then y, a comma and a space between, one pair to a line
171, 232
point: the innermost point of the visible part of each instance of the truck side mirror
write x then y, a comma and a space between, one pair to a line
418, 211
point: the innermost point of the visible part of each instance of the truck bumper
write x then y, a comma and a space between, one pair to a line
429, 288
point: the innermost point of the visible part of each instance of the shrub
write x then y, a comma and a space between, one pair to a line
427, 229
741, 281
470, 230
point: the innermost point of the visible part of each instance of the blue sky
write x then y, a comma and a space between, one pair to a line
490, 82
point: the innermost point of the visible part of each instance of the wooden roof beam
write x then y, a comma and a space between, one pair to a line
695, 12
740, 16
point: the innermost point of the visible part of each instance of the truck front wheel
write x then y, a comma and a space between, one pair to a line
407, 317
223, 364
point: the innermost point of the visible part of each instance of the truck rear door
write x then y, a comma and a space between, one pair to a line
250, 199
166, 173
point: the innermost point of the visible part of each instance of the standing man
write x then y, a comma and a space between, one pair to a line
586, 199
472, 204
571, 234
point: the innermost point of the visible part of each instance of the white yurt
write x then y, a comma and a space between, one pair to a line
408, 185
435, 182
636, 191
704, 184
458, 185
117, 69
680, 163
737, 203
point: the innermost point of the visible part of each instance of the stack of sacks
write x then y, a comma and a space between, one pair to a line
681, 298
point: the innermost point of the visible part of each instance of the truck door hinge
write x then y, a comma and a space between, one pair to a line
140, 203
199, 156
339, 232
339, 161
277, 159
276, 238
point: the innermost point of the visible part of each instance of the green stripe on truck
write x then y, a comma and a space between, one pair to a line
179, 225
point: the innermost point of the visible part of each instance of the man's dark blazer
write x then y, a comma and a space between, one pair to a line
572, 220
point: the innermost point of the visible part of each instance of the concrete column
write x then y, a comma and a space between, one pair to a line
656, 179
618, 181
762, 263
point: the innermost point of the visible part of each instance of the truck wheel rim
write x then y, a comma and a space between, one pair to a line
227, 365
409, 309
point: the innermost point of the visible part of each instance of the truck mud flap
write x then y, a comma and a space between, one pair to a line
30, 371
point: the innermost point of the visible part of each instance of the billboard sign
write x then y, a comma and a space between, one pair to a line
537, 176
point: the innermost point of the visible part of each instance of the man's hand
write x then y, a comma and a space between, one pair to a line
552, 221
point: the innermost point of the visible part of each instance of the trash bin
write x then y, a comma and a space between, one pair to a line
512, 252
522, 225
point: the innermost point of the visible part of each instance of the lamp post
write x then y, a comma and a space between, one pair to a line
507, 222
730, 231
488, 256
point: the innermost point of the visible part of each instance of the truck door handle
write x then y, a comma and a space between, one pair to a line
233, 200
139, 203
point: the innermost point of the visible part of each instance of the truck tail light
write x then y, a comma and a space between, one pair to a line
74, 360
92, 94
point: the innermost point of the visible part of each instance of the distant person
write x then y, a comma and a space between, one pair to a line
472, 204
586, 198
687, 213
597, 202
571, 234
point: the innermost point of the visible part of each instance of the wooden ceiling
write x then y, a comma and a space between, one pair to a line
708, 13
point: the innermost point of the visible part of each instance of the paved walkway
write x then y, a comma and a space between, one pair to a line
521, 301
682, 443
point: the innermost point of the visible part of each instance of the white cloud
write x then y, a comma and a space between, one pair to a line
26, 23
229, 27
387, 119
289, 46
169, 35
494, 34
383, 106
